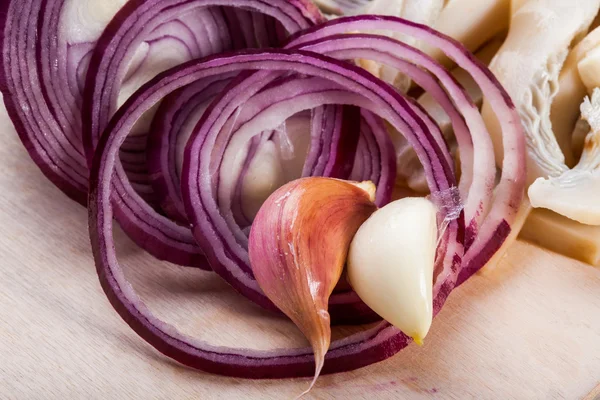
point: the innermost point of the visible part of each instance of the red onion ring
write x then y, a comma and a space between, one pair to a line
508, 194
223, 242
163, 141
479, 231
160, 236
229, 363
373, 345
41, 80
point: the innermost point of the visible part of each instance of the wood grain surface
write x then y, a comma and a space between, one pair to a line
529, 329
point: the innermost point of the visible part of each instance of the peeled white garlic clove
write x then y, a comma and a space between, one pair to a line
264, 175
390, 264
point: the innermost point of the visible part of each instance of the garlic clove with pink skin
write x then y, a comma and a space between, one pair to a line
298, 246
391, 261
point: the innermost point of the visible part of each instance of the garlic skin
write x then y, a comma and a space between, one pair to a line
298, 245
390, 264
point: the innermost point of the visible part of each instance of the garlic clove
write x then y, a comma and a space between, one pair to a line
391, 260
298, 245
588, 69
265, 173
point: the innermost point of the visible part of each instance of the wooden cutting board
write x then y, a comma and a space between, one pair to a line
529, 329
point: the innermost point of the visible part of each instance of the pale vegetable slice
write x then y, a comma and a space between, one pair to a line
472, 23
571, 91
544, 227
589, 69
563, 235
277, 161
263, 177
576, 192
529, 70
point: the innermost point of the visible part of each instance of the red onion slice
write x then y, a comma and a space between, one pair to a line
372, 345
466, 120
170, 131
41, 80
352, 352
224, 243
384, 172
175, 118
233, 266
160, 236
44, 61
27, 82
509, 193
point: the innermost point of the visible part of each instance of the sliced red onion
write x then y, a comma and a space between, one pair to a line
44, 62
359, 82
383, 174
369, 48
122, 36
360, 88
241, 236
40, 98
115, 49
508, 194
178, 113
267, 110
367, 157
401, 57
171, 128
47, 48
331, 153
351, 85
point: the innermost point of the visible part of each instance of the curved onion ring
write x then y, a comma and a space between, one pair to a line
373, 345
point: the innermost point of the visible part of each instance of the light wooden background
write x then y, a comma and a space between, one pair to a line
530, 329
